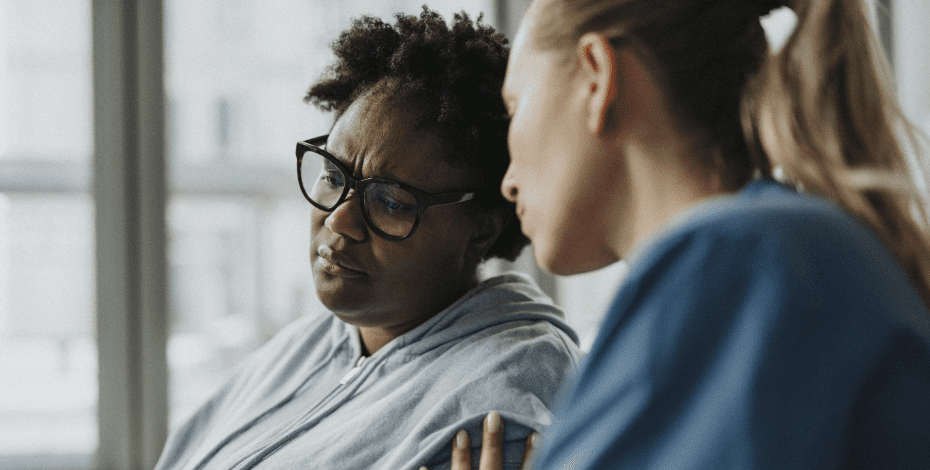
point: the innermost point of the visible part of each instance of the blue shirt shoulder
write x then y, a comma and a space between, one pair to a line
764, 329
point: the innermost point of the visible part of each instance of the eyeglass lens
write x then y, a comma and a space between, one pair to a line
389, 208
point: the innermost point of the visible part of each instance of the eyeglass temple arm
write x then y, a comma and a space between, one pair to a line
449, 198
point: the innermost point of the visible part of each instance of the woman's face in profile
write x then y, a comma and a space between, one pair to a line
558, 173
370, 281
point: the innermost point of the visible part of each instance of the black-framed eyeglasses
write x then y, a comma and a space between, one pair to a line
391, 209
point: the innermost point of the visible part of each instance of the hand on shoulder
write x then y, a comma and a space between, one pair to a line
492, 447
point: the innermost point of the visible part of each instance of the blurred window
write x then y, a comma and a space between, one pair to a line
48, 354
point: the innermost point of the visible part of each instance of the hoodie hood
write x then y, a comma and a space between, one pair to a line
505, 298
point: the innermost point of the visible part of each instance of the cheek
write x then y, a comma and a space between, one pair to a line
542, 168
542, 136
412, 273
433, 246
527, 133
317, 219
565, 210
529, 153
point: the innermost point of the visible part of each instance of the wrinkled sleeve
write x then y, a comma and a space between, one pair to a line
519, 376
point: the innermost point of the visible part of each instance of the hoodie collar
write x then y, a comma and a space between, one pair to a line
500, 299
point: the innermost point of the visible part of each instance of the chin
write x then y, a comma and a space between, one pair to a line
349, 312
354, 318
565, 259
338, 298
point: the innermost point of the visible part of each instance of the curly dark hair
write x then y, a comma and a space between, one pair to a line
453, 76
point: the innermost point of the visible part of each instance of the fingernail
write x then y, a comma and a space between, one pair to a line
461, 439
494, 421
423, 468
534, 440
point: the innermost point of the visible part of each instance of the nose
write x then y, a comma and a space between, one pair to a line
509, 185
347, 219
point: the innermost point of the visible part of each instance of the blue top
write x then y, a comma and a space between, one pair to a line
767, 329
308, 400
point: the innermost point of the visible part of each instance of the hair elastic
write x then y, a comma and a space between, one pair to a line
767, 6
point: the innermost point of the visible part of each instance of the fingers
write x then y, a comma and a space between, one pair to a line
461, 451
492, 444
531, 443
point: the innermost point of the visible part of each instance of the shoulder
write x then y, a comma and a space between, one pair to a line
768, 270
766, 263
512, 358
505, 348
772, 233
504, 317
773, 214
512, 318
516, 368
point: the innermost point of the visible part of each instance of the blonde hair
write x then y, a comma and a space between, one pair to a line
819, 110
839, 132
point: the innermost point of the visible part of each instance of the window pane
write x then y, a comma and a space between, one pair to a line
46, 323
237, 72
45, 80
48, 355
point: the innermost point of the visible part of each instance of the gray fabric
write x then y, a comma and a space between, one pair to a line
503, 346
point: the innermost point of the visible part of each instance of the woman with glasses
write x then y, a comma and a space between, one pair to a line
776, 231
405, 207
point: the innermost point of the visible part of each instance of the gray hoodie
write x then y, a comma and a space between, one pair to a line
308, 399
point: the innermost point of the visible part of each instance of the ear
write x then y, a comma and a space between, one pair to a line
599, 77
488, 226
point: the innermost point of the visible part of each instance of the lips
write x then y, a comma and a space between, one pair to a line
521, 215
520, 210
338, 263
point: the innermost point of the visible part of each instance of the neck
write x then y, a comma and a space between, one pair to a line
664, 180
375, 337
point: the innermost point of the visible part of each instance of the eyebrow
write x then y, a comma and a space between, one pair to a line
379, 173
339, 157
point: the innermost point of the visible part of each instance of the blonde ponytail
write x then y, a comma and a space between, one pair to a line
822, 111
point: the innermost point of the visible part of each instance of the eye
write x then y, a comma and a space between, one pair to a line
331, 175
391, 200
393, 205
331, 178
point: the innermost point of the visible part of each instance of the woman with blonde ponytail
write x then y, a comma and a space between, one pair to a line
775, 311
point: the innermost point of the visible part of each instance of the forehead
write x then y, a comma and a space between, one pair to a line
376, 137
528, 57
515, 63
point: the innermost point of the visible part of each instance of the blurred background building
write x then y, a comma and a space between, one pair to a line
235, 72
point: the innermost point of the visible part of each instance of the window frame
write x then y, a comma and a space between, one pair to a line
130, 193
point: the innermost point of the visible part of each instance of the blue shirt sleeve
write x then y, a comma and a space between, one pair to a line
756, 342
